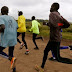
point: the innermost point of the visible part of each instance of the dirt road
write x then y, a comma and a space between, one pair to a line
26, 63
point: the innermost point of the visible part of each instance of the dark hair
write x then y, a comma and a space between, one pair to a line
4, 10
33, 17
56, 5
20, 13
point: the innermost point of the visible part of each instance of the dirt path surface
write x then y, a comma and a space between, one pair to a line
26, 63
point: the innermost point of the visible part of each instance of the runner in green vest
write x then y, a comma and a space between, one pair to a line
35, 30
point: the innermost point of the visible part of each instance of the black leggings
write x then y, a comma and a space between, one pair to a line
34, 38
23, 38
55, 47
10, 51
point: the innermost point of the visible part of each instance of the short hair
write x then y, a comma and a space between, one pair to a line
20, 13
4, 10
56, 5
33, 17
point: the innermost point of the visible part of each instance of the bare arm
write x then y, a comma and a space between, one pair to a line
2, 27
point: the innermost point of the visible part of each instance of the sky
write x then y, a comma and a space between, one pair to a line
38, 8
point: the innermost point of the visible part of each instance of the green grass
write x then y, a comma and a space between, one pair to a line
67, 35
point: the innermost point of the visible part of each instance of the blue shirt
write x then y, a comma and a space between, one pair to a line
9, 37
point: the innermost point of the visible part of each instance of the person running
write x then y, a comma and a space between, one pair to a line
22, 30
56, 22
35, 30
8, 35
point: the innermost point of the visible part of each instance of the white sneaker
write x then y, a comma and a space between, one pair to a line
22, 45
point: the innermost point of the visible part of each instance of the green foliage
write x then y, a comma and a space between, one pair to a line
67, 35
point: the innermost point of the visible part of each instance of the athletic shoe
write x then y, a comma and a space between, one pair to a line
52, 59
22, 45
13, 61
38, 68
36, 48
27, 52
14, 69
70, 47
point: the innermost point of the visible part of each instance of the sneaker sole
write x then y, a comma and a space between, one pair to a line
27, 53
37, 68
21, 47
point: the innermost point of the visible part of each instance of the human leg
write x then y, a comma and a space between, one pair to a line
11, 57
61, 47
64, 47
39, 38
47, 49
56, 52
22, 44
23, 39
3, 54
17, 38
34, 37
25, 44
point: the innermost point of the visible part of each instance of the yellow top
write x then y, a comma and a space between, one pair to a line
21, 24
35, 27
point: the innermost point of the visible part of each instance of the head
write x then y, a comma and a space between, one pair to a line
33, 17
20, 13
54, 7
4, 10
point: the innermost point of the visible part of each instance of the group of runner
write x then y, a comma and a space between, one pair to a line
10, 30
